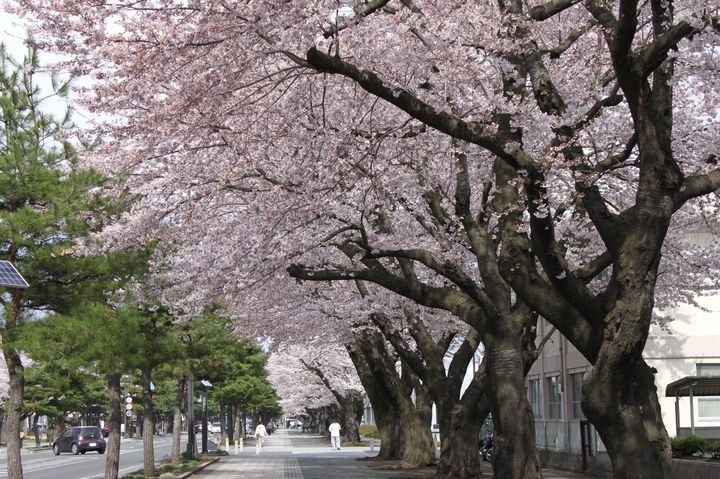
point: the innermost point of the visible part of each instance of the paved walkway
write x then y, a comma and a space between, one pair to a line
295, 455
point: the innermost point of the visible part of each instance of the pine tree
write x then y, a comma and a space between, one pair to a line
48, 205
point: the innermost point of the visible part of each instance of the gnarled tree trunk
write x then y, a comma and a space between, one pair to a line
513, 420
459, 433
621, 402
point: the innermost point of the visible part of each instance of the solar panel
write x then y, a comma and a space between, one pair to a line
9, 276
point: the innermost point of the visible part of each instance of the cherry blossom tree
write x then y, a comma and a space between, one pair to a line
561, 149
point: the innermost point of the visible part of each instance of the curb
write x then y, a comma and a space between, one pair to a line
198, 468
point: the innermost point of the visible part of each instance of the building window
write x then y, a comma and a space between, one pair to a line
708, 369
708, 407
576, 383
554, 397
535, 398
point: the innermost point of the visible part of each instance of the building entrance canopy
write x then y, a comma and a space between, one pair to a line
691, 386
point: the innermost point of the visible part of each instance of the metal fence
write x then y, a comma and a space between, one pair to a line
563, 435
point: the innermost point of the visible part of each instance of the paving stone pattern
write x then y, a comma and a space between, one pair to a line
289, 454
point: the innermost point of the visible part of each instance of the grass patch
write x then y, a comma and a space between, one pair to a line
369, 430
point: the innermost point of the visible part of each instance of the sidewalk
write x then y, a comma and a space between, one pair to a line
294, 455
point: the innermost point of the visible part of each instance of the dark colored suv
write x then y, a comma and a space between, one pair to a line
80, 440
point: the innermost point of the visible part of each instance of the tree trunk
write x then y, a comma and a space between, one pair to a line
459, 433
417, 443
58, 425
16, 391
112, 462
243, 424
223, 422
622, 404
230, 423
14, 412
513, 420
352, 410
36, 433
148, 425
177, 422
369, 357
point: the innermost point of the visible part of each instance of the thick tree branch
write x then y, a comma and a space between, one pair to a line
609, 225
449, 299
462, 357
443, 268
602, 14
480, 242
625, 33
473, 132
697, 185
616, 160
518, 266
400, 345
318, 372
656, 53
369, 8
548, 251
593, 268
549, 9
570, 40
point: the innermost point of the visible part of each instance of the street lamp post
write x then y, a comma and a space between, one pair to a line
205, 387
191, 446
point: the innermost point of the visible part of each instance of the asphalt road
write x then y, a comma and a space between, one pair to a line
43, 464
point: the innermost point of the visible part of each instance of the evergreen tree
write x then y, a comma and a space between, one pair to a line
48, 205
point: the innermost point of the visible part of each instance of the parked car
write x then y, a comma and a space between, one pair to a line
214, 428
79, 440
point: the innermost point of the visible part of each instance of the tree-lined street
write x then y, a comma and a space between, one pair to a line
43, 464
321, 211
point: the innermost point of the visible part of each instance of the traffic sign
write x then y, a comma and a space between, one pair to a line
128, 399
128, 413
128, 406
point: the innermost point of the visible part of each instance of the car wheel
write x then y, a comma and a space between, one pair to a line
101, 451
74, 449
56, 449
82, 452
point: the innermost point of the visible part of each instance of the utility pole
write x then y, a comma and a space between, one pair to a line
205, 387
191, 447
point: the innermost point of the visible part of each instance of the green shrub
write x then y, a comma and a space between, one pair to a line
687, 446
167, 475
713, 448
369, 430
166, 468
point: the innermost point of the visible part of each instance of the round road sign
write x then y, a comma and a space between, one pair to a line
128, 399
128, 413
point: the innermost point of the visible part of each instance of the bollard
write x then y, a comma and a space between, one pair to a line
227, 444
241, 444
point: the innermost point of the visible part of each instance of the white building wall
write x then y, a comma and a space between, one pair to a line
692, 338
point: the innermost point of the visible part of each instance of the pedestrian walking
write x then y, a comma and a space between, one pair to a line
334, 435
260, 433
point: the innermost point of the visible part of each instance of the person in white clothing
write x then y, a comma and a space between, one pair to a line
334, 435
260, 433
